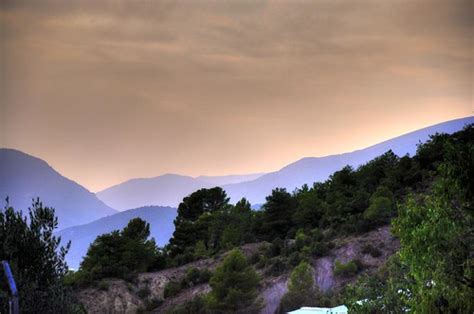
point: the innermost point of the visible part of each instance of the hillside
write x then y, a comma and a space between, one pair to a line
161, 229
121, 296
24, 177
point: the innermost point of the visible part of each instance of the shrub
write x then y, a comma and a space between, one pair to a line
301, 290
373, 251
262, 262
319, 249
172, 288
234, 286
205, 275
275, 248
192, 275
195, 306
103, 285
277, 267
77, 279
254, 258
295, 258
347, 270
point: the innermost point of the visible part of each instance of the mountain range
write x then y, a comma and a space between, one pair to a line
84, 215
165, 190
24, 177
171, 188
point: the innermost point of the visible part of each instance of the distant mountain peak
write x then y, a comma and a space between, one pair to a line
25, 177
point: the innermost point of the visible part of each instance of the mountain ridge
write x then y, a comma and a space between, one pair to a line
25, 177
306, 170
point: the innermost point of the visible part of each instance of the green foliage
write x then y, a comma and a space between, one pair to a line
301, 278
234, 286
200, 250
381, 206
121, 254
195, 306
172, 288
194, 276
433, 271
437, 244
188, 230
278, 208
301, 289
278, 265
384, 292
347, 270
36, 259
103, 285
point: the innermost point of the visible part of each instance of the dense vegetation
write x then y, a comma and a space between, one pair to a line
427, 197
36, 260
119, 254
434, 269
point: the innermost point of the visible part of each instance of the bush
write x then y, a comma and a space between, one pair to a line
301, 290
103, 285
205, 275
77, 279
195, 306
274, 249
192, 275
172, 288
373, 251
262, 262
234, 286
319, 249
295, 258
254, 258
277, 267
347, 270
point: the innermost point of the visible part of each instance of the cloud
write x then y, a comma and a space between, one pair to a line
212, 79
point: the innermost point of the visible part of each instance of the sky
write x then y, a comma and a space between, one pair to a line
105, 91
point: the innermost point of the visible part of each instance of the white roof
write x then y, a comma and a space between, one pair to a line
320, 310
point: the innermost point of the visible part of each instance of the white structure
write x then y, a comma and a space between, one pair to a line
341, 309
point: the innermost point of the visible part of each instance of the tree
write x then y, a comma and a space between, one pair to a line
37, 260
121, 254
436, 235
234, 286
187, 231
310, 208
301, 289
278, 209
383, 292
381, 205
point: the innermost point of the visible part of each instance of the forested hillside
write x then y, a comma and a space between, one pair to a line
337, 230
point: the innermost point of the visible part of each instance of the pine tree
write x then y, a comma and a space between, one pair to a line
234, 286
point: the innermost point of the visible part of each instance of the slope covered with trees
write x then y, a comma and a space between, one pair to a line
427, 198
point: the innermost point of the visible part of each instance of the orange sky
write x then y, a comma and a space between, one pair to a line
109, 90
